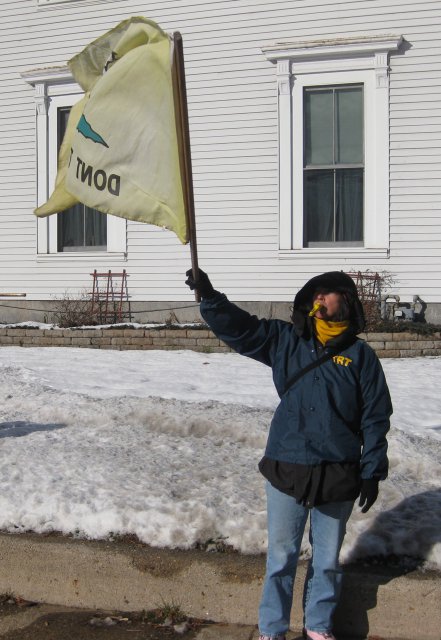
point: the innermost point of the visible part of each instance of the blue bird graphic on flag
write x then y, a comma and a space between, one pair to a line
86, 130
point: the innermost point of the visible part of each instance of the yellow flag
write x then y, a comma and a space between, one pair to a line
120, 151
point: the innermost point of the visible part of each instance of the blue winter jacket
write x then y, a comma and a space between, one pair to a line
338, 412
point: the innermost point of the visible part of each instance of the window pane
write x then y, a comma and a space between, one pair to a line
349, 205
319, 127
319, 206
70, 228
63, 117
349, 125
95, 228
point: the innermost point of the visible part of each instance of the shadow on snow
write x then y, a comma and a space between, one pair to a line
21, 428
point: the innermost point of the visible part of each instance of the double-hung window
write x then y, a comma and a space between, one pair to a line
333, 160
333, 112
79, 233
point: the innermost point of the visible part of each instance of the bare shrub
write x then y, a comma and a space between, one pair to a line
75, 311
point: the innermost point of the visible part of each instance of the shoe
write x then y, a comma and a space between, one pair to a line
282, 637
318, 635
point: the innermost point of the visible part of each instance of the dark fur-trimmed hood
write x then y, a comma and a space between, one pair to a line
332, 281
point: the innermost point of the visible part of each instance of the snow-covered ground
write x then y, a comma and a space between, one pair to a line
165, 445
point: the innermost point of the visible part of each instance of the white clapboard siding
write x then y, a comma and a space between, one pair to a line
232, 96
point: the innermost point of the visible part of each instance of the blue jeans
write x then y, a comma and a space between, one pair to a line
286, 524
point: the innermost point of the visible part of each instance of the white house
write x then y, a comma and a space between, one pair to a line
315, 132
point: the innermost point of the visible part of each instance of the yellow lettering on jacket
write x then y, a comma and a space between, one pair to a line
342, 360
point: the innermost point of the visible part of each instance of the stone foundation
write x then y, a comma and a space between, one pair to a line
387, 345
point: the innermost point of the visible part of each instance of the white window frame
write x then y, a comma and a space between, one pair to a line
55, 88
324, 63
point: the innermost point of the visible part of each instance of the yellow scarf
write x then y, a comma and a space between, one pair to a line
325, 329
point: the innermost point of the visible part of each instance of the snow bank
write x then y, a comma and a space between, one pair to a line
165, 445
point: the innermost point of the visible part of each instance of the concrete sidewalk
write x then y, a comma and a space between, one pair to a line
127, 576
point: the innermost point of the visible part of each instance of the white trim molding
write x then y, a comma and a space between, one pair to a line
54, 88
332, 48
363, 60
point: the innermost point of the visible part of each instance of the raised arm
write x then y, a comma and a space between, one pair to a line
240, 330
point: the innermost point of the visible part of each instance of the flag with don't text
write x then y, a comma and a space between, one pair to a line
120, 152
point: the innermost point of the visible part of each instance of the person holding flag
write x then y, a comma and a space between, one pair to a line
126, 152
327, 441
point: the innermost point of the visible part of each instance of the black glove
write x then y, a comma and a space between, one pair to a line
202, 284
368, 494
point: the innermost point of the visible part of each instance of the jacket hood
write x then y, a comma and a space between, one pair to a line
332, 281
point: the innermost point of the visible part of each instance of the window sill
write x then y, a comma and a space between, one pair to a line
329, 252
84, 256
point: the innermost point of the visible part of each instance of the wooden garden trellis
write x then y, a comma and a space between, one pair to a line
368, 285
109, 292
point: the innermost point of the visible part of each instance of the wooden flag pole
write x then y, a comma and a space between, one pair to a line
182, 127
